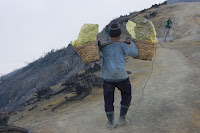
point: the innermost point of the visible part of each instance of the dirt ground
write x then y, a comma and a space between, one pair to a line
171, 101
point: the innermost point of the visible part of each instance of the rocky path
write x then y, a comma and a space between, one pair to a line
171, 102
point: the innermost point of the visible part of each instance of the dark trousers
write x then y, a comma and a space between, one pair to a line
109, 89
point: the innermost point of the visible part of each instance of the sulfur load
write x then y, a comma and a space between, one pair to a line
130, 27
86, 44
143, 30
88, 33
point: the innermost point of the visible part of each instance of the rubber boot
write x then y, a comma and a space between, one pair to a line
122, 117
111, 123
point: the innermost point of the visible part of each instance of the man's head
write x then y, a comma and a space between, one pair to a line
169, 19
115, 30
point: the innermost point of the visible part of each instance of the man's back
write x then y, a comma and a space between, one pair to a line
113, 68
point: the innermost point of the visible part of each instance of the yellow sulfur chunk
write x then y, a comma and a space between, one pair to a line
130, 26
145, 30
142, 29
88, 33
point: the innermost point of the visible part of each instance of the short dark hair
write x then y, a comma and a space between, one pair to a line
115, 30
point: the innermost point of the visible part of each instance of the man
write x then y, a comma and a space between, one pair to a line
114, 74
168, 28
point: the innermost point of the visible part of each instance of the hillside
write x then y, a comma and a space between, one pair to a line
55, 67
171, 97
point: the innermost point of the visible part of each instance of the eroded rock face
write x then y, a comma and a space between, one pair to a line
84, 82
55, 67
3, 119
178, 1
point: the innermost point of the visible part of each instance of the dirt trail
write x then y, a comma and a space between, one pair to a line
171, 100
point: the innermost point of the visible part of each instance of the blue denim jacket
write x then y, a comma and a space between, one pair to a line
113, 67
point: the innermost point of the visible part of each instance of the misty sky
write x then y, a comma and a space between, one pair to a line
30, 28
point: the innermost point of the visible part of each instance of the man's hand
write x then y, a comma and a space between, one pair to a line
128, 41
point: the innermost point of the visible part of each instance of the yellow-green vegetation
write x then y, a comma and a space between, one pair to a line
88, 33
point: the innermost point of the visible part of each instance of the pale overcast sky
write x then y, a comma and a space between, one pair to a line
30, 28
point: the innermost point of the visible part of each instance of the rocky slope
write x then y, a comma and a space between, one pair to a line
55, 67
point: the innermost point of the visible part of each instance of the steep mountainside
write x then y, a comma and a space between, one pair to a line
55, 67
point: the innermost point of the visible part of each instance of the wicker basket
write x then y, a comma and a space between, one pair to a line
146, 49
88, 52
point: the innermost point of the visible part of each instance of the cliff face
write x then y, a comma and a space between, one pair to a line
177, 1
